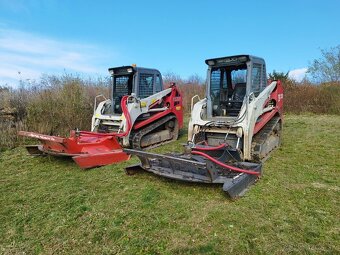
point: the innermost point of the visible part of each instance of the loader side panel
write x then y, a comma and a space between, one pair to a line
275, 101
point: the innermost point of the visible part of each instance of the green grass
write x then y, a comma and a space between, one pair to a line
51, 206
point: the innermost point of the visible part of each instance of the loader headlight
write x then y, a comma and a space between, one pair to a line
211, 62
239, 132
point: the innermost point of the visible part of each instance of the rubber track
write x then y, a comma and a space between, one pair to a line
261, 137
137, 137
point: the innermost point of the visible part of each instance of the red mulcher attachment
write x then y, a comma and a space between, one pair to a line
87, 149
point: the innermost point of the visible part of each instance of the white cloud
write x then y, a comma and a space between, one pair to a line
26, 56
298, 74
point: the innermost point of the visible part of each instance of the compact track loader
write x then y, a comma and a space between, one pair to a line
231, 131
141, 114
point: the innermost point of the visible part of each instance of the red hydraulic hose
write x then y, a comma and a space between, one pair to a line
236, 169
128, 122
210, 148
127, 116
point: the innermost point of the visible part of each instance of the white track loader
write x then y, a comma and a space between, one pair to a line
141, 114
231, 132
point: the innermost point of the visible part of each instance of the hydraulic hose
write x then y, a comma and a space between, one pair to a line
210, 148
128, 122
127, 116
236, 169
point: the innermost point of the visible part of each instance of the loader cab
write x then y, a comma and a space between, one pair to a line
230, 81
127, 80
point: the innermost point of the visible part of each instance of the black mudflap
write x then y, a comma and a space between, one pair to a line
194, 168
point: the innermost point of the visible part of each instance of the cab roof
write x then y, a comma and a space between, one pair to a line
233, 60
130, 69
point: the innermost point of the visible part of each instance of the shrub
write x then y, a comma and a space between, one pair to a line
194, 85
307, 97
53, 106
63, 103
12, 115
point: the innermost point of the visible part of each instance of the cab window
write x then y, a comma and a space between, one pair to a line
215, 81
158, 84
145, 86
256, 81
238, 76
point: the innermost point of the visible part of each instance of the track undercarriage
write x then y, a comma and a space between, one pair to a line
268, 139
158, 133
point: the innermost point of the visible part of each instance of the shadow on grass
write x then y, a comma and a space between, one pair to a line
178, 183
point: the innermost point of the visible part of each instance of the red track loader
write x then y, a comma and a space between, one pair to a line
141, 114
231, 131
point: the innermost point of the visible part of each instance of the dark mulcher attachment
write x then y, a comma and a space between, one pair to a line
236, 177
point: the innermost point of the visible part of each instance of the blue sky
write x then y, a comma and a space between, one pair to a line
87, 37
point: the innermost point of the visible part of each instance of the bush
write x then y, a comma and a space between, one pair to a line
188, 91
53, 106
194, 85
63, 103
307, 97
12, 115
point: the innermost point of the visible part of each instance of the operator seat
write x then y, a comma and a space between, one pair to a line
239, 92
117, 104
236, 100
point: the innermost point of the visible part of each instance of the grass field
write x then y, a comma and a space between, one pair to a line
50, 206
